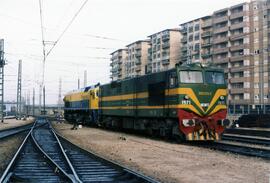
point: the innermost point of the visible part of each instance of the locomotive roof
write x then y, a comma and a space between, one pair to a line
199, 66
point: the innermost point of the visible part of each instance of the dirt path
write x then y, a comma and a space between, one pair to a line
8, 148
10, 123
168, 162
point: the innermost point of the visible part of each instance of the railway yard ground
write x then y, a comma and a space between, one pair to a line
10, 123
168, 161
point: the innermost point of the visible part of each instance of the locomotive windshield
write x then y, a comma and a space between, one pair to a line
212, 77
191, 77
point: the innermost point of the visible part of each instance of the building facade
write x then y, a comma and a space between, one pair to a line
164, 52
118, 60
136, 58
236, 39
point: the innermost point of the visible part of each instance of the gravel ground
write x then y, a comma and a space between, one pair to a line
8, 148
169, 162
10, 123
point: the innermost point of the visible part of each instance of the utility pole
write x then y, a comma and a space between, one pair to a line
85, 78
40, 97
33, 102
28, 103
19, 90
78, 83
59, 95
2, 63
44, 101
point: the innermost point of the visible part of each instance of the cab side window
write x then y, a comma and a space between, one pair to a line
172, 80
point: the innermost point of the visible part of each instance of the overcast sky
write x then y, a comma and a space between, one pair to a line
101, 27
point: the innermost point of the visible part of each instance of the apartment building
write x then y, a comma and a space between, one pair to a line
118, 60
164, 51
236, 39
136, 58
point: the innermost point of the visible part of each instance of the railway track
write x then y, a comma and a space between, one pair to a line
245, 141
241, 149
13, 131
62, 161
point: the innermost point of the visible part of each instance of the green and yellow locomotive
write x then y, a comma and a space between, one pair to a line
187, 102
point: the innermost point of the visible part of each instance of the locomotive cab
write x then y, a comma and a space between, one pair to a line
202, 102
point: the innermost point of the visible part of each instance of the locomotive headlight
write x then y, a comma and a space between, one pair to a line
186, 97
221, 97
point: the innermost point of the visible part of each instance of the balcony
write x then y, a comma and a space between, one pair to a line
149, 50
237, 69
206, 44
220, 60
149, 58
138, 68
184, 48
183, 57
165, 61
184, 39
183, 30
220, 50
237, 90
138, 62
165, 45
138, 47
111, 64
138, 54
220, 40
206, 24
237, 36
206, 34
165, 37
119, 68
238, 47
220, 19
237, 14
238, 79
206, 55
238, 25
237, 58
218, 30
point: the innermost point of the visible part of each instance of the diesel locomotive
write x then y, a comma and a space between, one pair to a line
187, 102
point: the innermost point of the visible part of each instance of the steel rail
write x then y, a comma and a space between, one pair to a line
247, 139
249, 131
16, 130
242, 150
129, 175
48, 157
55, 170
65, 155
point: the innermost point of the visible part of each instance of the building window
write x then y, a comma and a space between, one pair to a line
197, 36
197, 27
246, 96
190, 38
190, 29
197, 47
256, 52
